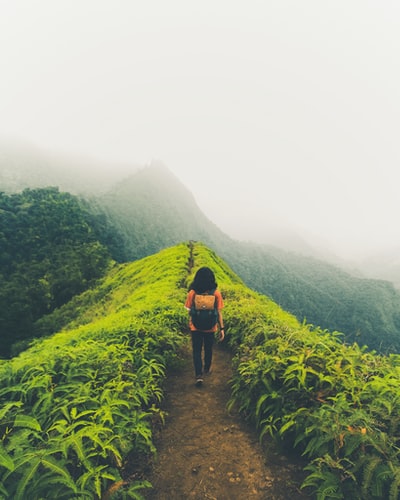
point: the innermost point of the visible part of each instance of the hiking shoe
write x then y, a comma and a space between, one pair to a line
199, 381
208, 372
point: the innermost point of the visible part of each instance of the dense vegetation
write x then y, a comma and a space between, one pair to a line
366, 311
77, 408
337, 404
151, 210
49, 252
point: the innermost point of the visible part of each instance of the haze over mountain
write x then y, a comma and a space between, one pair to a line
280, 115
279, 126
23, 165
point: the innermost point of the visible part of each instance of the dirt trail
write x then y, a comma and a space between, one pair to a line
205, 452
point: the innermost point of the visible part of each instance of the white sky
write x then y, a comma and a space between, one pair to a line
282, 112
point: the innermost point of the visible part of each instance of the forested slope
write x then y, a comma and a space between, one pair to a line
50, 250
366, 311
153, 210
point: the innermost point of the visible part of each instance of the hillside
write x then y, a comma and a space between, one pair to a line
365, 310
151, 210
78, 404
154, 210
50, 251
79, 409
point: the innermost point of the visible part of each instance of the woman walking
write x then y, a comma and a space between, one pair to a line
204, 303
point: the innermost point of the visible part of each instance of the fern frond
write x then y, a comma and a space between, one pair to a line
27, 422
61, 473
369, 477
5, 460
28, 474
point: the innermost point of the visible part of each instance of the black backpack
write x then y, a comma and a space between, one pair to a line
204, 312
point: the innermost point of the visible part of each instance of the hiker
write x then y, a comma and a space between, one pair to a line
204, 303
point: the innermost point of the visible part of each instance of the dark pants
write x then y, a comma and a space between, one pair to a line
200, 339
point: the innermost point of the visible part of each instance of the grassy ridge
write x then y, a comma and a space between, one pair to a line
337, 404
77, 406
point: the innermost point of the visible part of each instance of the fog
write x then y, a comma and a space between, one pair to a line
279, 116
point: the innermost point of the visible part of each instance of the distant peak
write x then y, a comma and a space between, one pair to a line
157, 170
158, 164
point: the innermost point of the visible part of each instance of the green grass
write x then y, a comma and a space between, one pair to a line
79, 404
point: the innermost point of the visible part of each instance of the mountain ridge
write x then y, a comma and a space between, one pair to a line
82, 404
365, 310
151, 209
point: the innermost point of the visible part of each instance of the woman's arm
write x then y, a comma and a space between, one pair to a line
221, 326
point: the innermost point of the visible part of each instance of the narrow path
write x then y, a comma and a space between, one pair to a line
204, 452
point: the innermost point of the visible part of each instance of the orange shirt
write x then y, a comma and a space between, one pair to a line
189, 302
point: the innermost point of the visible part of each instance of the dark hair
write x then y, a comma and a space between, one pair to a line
204, 280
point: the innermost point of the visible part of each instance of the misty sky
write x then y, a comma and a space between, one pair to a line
273, 113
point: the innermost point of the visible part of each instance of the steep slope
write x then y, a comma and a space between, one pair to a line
78, 405
49, 252
152, 209
366, 310
79, 409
